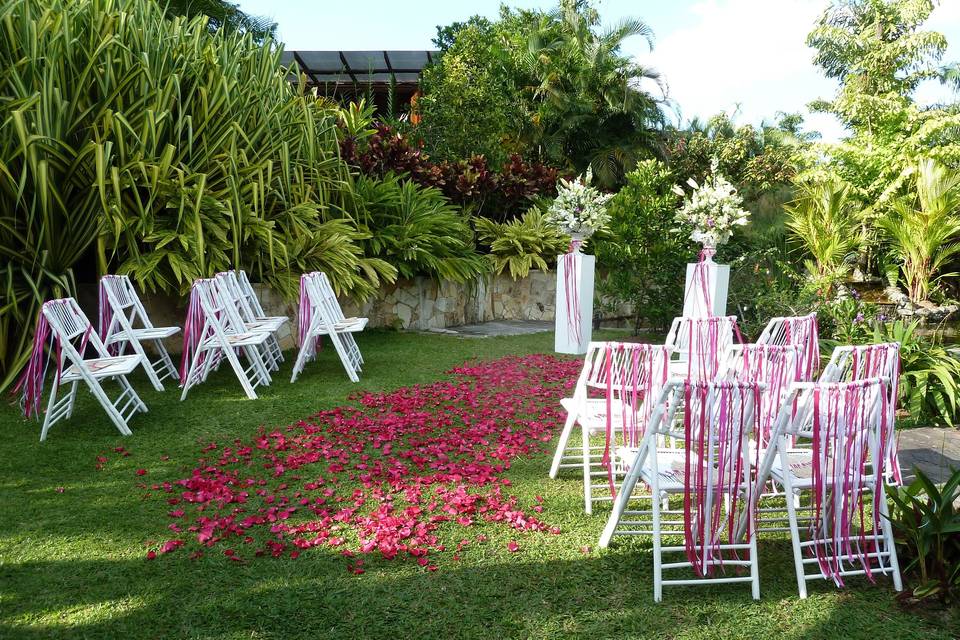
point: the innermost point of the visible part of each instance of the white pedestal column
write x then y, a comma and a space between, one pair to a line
717, 281
566, 339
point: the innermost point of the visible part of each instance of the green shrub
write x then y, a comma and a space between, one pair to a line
644, 260
520, 245
416, 229
927, 525
929, 373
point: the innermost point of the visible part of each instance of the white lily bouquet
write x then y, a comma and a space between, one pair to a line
579, 209
713, 208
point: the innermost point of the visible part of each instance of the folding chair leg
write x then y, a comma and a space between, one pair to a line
795, 539
622, 500
108, 406
657, 546
165, 359
188, 382
73, 399
562, 443
344, 359
47, 422
889, 543
587, 479
301, 360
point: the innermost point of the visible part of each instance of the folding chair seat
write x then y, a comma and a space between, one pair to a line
71, 335
836, 508
120, 311
212, 334
320, 315
711, 472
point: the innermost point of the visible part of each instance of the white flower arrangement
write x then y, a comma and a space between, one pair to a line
713, 208
579, 209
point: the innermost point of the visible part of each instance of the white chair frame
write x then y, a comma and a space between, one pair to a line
591, 415
793, 331
223, 336
660, 520
795, 421
251, 312
69, 324
126, 310
327, 319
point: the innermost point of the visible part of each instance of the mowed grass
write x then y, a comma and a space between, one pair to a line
72, 563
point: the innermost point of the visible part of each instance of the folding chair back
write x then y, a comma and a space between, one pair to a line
699, 344
238, 287
64, 323
848, 530
711, 473
861, 362
775, 366
121, 311
799, 331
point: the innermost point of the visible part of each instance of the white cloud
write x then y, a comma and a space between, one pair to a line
742, 54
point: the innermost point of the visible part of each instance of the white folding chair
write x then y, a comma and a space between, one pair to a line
798, 331
699, 344
212, 333
839, 477
240, 314
320, 312
73, 334
251, 311
120, 311
606, 364
850, 363
712, 474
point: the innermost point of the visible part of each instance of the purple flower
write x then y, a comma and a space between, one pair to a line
858, 319
855, 294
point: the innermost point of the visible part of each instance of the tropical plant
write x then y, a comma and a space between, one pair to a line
822, 219
156, 147
643, 257
926, 520
528, 242
416, 229
924, 229
223, 15
929, 373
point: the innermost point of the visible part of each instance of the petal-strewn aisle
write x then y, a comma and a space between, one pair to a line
401, 475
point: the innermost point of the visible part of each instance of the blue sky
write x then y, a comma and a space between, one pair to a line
716, 55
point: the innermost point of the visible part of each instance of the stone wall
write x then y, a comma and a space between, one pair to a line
418, 304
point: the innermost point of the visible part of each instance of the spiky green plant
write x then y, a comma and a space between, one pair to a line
822, 219
924, 228
165, 150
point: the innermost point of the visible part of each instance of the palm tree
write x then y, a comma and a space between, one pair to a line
592, 111
923, 228
822, 218
223, 15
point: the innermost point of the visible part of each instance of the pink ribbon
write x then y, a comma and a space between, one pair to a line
192, 329
571, 287
305, 314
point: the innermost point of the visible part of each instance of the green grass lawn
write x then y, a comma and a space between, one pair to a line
72, 563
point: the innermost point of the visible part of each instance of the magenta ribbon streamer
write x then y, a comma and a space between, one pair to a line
305, 314
571, 287
192, 330
701, 283
32, 380
882, 360
840, 455
726, 437
635, 379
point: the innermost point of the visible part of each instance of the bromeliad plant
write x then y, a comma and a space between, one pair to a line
929, 373
927, 522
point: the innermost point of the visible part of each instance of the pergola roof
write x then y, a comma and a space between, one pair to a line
360, 66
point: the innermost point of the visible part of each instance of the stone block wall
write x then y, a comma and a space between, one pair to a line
418, 304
